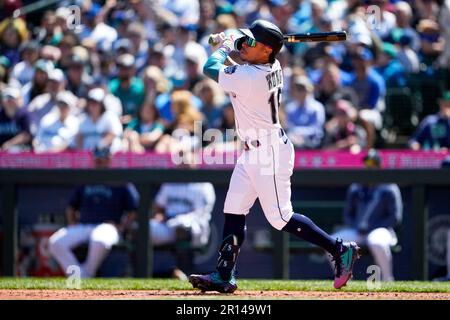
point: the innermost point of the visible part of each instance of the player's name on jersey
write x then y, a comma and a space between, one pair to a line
274, 79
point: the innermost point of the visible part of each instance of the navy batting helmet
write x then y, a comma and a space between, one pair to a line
264, 32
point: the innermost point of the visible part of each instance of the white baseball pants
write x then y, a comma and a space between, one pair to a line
100, 238
379, 242
264, 172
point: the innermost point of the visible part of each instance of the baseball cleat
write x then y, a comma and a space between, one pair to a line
344, 262
213, 282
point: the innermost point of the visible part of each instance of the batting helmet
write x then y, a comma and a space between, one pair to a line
264, 32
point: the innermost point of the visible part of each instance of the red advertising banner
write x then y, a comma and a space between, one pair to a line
392, 159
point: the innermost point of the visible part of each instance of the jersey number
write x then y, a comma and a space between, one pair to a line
275, 101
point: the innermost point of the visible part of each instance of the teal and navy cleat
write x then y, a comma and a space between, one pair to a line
213, 282
344, 262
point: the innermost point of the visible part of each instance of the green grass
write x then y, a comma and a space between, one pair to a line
253, 285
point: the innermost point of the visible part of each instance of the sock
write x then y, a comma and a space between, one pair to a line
303, 227
233, 237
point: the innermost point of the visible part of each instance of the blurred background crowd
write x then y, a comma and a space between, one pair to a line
127, 74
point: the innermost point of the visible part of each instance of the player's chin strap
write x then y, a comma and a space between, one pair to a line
228, 253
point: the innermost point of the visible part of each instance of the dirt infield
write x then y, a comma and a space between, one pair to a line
189, 294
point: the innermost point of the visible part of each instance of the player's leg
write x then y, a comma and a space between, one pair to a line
240, 198
379, 242
62, 242
273, 187
102, 238
274, 193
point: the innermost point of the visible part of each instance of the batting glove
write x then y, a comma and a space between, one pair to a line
219, 41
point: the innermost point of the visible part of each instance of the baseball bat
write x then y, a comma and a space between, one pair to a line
315, 37
304, 37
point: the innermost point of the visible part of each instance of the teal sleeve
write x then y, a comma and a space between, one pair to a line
214, 63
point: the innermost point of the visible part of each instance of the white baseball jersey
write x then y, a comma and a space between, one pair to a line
189, 205
255, 92
263, 172
93, 132
52, 133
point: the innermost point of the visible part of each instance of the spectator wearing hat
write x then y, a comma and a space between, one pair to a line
38, 84
433, 132
388, 66
65, 45
57, 130
371, 214
97, 215
14, 122
404, 15
305, 116
407, 56
50, 53
99, 127
432, 43
369, 87
23, 72
137, 35
78, 80
127, 87
45, 102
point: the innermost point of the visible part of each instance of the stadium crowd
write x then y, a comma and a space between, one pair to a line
130, 73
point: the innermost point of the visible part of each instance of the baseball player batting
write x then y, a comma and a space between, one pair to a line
264, 168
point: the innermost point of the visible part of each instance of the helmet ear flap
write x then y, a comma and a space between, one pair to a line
238, 43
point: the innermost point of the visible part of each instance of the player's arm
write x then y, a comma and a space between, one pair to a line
215, 62
218, 59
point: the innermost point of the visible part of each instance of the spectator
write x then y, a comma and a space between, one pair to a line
385, 22
342, 130
432, 44
78, 80
444, 23
155, 83
144, 131
99, 128
127, 87
13, 32
94, 28
44, 103
14, 122
407, 56
434, 131
23, 72
389, 67
404, 15
38, 84
57, 130
305, 116
96, 215
369, 86
180, 136
137, 34
50, 53
212, 98
371, 214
